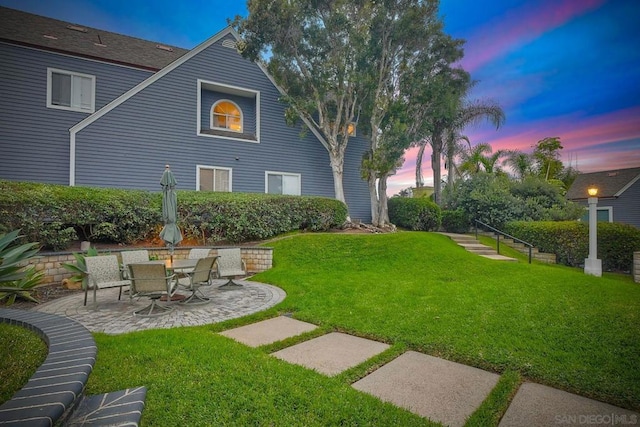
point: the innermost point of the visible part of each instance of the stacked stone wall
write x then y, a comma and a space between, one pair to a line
258, 259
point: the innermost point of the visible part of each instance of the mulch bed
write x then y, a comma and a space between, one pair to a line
43, 294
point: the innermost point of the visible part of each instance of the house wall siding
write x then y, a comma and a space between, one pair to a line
129, 146
626, 208
34, 139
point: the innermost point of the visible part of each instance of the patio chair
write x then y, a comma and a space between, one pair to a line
200, 276
152, 281
103, 272
130, 257
230, 264
195, 253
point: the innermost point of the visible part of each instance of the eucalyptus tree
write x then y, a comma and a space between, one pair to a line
315, 50
405, 51
546, 154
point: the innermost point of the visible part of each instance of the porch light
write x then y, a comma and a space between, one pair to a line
593, 191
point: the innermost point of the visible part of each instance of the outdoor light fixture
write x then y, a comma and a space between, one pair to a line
592, 265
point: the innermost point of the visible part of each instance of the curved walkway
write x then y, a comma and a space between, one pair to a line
116, 317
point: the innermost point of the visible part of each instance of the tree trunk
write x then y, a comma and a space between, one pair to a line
374, 200
337, 167
419, 179
436, 145
383, 211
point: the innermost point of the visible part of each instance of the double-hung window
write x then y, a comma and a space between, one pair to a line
282, 183
71, 91
212, 178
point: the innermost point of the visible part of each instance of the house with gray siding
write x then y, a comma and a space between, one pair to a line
618, 194
87, 107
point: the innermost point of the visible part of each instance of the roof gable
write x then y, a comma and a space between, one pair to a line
40, 32
610, 183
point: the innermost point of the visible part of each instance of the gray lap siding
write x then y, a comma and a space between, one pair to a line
129, 146
34, 139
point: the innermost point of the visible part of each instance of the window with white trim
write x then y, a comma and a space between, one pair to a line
282, 183
71, 91
211, 178
226, 115
603, 214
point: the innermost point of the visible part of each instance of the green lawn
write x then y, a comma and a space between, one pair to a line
549, 324
21, 353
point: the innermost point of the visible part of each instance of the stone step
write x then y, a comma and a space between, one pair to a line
118, 408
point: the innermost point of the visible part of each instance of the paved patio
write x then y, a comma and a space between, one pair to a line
116, 317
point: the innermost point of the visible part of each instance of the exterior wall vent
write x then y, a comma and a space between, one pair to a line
47, 36
163, 47
612, 174
76, 28
230, 44
100, 45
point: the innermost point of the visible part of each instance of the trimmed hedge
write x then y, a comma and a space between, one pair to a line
415, 213
569, 240
455, 221
55, 215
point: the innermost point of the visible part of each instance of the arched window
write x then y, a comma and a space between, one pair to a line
226, 115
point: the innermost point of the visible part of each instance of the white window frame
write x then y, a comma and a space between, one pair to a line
199, 168
231, 90
608, 209
51, 71
283, 174
211, 121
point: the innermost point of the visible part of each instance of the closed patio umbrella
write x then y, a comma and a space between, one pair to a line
170, 233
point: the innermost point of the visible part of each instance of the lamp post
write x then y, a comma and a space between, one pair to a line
593, 265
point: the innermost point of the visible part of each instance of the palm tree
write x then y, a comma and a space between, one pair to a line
469, 113
520, 163
480, 158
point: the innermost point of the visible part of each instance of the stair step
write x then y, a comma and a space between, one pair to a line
118, 408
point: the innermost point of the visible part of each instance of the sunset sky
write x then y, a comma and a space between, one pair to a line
566, 68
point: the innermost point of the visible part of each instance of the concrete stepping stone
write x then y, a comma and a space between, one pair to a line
539, 405
443, 391
332, 353
268, 331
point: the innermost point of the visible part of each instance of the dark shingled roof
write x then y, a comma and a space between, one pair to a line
608, 183
50, 34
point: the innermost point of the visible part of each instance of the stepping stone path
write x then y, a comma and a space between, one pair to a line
434, 388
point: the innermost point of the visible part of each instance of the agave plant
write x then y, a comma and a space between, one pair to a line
80, 266
16, 280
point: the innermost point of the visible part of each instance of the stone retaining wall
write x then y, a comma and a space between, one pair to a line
636, 267
257, 259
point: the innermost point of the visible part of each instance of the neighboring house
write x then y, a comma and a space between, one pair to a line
87, 107
618, 194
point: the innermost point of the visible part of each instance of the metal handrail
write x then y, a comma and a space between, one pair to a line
499, 232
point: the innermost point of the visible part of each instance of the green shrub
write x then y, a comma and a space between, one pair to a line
55, 215
455, 221
418, 214
497, 200
237, 217
569, 240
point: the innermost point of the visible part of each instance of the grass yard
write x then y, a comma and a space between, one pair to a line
21, 353
549, 324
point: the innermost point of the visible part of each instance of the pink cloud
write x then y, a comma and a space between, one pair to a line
519, 26
591, 141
